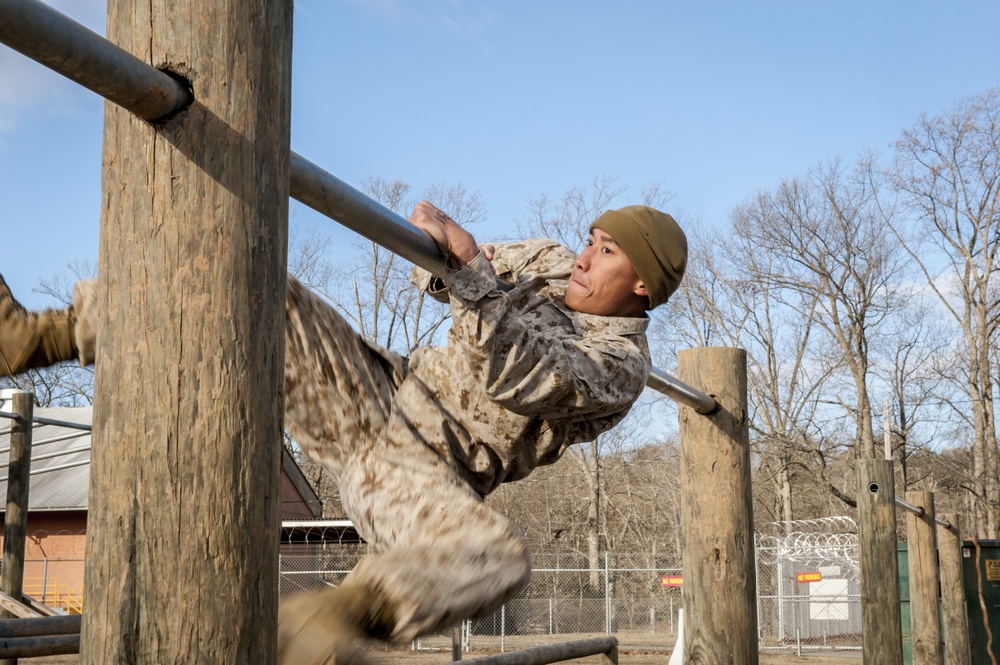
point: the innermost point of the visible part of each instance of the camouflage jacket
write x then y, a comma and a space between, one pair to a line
522, 376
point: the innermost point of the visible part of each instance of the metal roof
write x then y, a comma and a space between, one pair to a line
60, 478
60, 462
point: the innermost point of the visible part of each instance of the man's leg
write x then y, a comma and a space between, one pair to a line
338, 388
338, 396
441, 555
32, 340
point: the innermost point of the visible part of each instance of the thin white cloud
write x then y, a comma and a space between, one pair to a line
29, 89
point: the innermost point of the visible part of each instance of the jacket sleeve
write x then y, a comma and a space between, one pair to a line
545, 259
534, 371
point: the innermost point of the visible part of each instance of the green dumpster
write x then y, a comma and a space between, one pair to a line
981, 577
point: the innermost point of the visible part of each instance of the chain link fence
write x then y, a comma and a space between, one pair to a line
567, 599
809, 585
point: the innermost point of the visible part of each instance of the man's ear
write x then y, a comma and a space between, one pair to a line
640, 290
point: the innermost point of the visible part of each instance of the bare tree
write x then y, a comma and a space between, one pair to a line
724, 300
946, 172
828, 249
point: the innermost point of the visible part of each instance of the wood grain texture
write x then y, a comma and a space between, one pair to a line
720, 592
925, 580
184, 497
955, 622
881, 625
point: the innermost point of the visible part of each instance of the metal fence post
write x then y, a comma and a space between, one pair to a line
607, 597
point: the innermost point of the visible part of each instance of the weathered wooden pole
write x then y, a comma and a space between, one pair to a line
720, 588
881, 625
182, 536
925, 578
953, 614
15, 522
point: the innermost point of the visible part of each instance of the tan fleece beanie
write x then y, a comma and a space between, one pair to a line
653, 242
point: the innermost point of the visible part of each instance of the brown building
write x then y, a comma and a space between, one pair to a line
57, 503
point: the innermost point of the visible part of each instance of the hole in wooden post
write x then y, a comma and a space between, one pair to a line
873, 488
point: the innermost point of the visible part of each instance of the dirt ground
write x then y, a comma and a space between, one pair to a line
624, 658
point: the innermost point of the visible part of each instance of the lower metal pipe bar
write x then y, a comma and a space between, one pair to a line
65, 46
554, 653
35, 647
33, 627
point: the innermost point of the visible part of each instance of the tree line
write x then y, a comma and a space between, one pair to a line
863, 292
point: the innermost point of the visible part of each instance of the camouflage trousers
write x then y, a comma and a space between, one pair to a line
439, 554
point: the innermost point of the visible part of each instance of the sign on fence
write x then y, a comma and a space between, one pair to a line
809, 577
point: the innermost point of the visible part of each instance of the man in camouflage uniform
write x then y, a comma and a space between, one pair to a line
415, 443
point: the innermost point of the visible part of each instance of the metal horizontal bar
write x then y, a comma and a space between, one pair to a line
8, 414
56, 625
81, 55
330, 196
551, 653
34, 647
61, 423
919, 511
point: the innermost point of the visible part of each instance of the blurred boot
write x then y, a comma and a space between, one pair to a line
328, 628
31, 340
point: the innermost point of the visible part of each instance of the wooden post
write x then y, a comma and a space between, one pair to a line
924, 581
720, 592
183, 526
881, 626
953, 614
15, 522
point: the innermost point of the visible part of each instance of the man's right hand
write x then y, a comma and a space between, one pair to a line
458, 245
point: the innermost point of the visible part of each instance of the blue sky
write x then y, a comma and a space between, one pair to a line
515, 98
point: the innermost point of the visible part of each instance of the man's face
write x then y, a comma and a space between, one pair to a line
603, 280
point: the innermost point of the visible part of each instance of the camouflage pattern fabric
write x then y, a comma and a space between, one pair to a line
415, 443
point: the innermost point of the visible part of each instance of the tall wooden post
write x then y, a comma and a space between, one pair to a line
183, 524
16, 516
881, 625
953, 614
720, 587
925, 579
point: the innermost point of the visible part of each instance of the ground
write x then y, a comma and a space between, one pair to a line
624, 658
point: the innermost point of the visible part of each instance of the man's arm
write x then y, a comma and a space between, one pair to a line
538, 367
458, 245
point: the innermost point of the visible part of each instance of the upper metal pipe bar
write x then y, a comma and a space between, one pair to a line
65, 46
334, 198
81, 55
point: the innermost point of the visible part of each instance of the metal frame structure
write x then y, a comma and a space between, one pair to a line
81, 55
